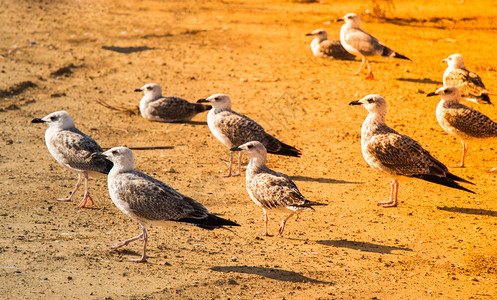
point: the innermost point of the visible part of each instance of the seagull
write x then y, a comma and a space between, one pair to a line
155, 107
72, 149
270, 189
470, 84
149, 201
398, 155
233, 129
321, 46
461, 121
360, 43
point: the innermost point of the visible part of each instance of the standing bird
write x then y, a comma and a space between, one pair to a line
469, 84
360, 43
233, 129
321, 46
398, 155
270, 189
149, 201
461, 121
155, 107
72, 149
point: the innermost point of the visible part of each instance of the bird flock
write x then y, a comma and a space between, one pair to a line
149, 201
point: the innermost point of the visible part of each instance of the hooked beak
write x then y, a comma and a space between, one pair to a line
357, 102
98, 155
202, 101
236, 149
339, 20
37, 120
138, 90
431, 94
444, 60
309, 34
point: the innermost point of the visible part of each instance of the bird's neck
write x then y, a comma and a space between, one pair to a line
372, 122
256, 164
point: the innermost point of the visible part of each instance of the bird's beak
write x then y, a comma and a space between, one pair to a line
98, 155
202, 101
339, 20
431, 94
357, 102
444, 60
37, 120
138, 90
236, 149
309, 34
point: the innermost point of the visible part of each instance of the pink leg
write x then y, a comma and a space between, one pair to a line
229, 170
126, 242
393, 195
239, 164
74, 191
87, 201
370, 73
360, 67
266, 221
283, 223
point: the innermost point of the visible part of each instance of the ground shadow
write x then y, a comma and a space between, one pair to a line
323, 180
127, 50
424, 80
470, 211
196, 123
362, 246
276, 274
145, 148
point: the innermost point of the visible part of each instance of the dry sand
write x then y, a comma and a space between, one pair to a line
54, 55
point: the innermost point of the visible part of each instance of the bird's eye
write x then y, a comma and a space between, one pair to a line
53, 118
114, 152
370, 100
250, 146
149, 88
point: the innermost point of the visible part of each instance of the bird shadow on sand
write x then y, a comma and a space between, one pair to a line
196, 123
145, 148
271, 273
127, 50
469, 211
424, 80
323, 180
362, 246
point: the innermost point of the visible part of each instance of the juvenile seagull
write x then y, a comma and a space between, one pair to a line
72, 149
397, 155
155, 107
470, 84
321, 46
149, 201
461, 121
233, 129
360, 43
270, 189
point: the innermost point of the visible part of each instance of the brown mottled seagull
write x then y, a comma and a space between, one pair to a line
269, 189
149, 201
461, 121
233, 129
362, 44
398, 155
72, 149
469, 84
321, 46
155, 107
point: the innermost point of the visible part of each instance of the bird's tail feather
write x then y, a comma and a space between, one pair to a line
387, 52
287, 150
447, 181
210, 223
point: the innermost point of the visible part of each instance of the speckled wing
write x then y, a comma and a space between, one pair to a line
73, 148
470, 122
469, 83
401, 155
363, 42
151, 199
174, 109
240, 130
333, 48
274, 190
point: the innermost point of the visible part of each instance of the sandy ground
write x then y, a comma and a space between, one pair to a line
54, 55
